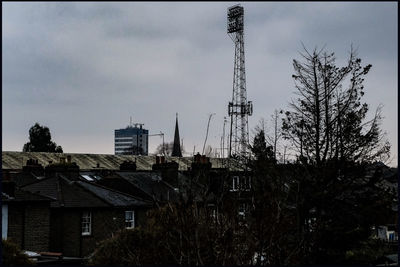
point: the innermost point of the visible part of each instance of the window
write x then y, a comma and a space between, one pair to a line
129, 219
235, 183
240, 183
245, 183
87, 177
86, 223
391, 236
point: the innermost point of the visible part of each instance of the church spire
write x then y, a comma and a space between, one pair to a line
176, 151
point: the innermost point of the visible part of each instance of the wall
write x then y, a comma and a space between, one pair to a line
37, 227
66, 236
29, 225
105, 223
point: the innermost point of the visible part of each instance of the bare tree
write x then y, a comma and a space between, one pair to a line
272, 133
208, 151
327, 121
276, 132
335, 146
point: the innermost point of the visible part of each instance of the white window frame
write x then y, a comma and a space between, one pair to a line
131, 221
86, 223
235, 186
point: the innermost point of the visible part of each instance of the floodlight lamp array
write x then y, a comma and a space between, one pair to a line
235, 19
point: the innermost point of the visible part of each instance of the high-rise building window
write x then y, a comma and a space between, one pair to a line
129, 137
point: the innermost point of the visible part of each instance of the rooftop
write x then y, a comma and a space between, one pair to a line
13, 160
74, 194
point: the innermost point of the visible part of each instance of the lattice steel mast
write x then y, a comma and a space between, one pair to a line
239, 109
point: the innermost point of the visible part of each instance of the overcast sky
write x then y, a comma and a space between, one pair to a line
83, 69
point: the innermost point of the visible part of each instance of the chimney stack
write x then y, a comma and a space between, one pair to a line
127, 165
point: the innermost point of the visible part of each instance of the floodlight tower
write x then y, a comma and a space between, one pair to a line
239, 109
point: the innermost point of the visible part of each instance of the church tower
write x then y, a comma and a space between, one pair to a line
176, 151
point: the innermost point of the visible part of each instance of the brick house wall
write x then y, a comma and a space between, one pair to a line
37, 227
107, 222
66, 228
56, 230
15, 223
104, 224
29, 225
71, 232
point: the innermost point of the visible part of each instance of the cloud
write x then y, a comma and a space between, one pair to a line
84, 68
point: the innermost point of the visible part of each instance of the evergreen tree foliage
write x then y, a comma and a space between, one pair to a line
260, 149
40, 140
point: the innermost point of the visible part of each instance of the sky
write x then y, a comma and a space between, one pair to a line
84, 69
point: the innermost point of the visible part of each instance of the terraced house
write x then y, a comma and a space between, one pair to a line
67, 203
